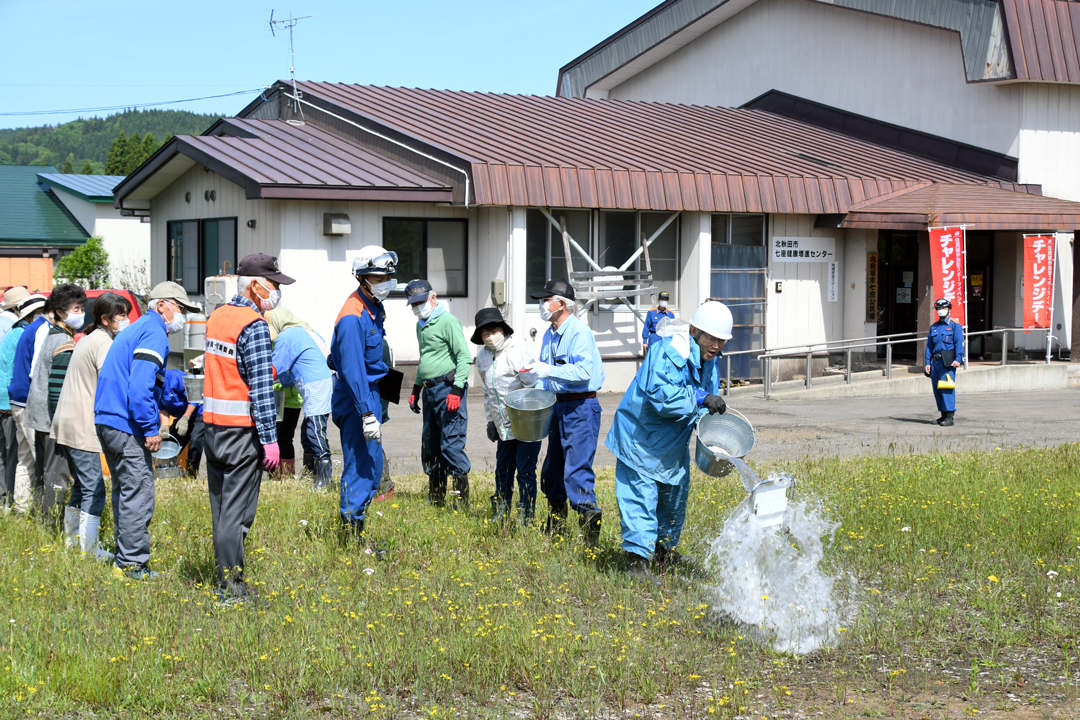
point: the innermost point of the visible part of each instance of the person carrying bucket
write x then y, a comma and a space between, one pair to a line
944, 354
650, 435
498, 362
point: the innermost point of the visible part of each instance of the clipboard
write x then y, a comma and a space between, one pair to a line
390, 386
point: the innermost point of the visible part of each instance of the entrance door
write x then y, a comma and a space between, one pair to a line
898, 275
980, 270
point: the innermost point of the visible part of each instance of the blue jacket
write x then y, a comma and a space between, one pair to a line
19, 387
945, 335
574, 358
357, 352
299, 361
170, 393
651, 429
125, 397
652, 319
7, 361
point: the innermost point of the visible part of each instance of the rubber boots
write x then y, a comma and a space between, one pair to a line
590, 526
461, 492
436, 489
666, 559
944, 414
499, 509
324, 473
89, 527
526, 512
71, 526
309, 464
637, 568
947, 421
556, 522
356, 529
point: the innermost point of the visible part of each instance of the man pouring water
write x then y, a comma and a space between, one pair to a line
676, 385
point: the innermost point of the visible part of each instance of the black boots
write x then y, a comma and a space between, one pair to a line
556, 522
355, 529
637, 568
499, 509
526, 512
590, 525
436, 489
461, 492
666, 559
946, 419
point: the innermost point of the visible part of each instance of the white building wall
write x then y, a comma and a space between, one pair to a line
126, 239
801, 313
1050, 139
898, 72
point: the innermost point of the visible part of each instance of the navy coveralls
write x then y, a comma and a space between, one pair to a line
652, 319
945, 334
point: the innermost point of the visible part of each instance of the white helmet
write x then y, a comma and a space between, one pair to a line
714, 318
374, 260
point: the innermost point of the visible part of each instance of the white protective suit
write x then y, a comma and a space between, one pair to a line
499, 376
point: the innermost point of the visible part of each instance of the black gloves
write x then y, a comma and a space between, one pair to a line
414, 399
493, 434
715, 404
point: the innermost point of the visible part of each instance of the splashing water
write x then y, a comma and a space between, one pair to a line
770, 578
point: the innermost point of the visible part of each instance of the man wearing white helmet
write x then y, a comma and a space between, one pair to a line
356, 354
650, 436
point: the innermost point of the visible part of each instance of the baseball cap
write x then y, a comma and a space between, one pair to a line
13, 296
266, 266
172, 291
664, 296
417, 291
558, 287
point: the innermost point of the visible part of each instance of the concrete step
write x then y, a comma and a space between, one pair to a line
1074, 375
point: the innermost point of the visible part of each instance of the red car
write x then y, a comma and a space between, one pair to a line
91, 295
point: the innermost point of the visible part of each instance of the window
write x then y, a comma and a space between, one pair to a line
738, 280
619, 235
432, 250
198, 249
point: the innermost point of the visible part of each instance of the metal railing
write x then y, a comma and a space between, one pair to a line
847, 346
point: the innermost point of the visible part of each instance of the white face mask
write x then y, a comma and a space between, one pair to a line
382, 290
271, 302
176, 324
494, 341
422, 310
120, 325
545, 312
942, 312
75, 322
662, 304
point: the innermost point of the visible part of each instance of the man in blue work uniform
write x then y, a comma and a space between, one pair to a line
356, 355
675, 386
944, 354
652, 319
570, 367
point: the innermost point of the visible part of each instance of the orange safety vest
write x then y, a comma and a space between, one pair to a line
226, 397
354, 305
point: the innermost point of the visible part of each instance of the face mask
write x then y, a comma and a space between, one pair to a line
176, 324
75, 322
271, 302
422, 310
545, 313
120, 325
494, 341
942, 312
663, 303
382, 290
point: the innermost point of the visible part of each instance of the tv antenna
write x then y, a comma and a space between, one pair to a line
290, 23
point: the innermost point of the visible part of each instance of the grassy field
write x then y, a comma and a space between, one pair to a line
967, 568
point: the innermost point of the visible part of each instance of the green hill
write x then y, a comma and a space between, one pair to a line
89, 140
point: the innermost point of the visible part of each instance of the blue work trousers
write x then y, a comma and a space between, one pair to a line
946, 399
516, 456
317, 447
568, 472
650, 511
362, 470
442, 445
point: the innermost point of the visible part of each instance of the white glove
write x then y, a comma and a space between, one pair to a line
372, 429
539, 369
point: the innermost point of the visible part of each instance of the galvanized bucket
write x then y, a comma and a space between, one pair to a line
530, 413
193, 386
166, 460
733, 436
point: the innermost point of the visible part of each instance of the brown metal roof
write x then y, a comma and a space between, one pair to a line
570, 152
281, 159
977, 206
1044, 36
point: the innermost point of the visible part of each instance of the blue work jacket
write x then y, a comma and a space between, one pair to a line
574, 358
652, 319
652, 427
945, 334
356, 350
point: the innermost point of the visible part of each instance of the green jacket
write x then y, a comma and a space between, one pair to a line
443, 348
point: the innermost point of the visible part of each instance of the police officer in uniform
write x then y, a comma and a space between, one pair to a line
944, 354
653, 318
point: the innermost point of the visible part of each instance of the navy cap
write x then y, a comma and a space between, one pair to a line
417, 291
664, 296
260, 265
558, 287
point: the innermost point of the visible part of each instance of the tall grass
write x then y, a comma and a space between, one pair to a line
961, 559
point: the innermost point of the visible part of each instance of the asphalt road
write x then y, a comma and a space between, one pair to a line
792, 428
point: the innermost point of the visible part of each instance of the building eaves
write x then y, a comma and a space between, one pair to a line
30, 215
92, 188
1044, 36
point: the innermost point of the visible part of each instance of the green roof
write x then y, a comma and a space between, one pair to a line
31, 216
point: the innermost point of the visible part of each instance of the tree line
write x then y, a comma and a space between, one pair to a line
87, 143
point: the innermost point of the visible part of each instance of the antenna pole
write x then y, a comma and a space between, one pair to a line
290, 23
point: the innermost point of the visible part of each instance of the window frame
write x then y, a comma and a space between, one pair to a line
424, 250
200, 249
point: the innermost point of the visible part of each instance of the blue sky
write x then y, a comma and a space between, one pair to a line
77, 54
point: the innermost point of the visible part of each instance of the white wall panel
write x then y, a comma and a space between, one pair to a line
801, 313
1050, 139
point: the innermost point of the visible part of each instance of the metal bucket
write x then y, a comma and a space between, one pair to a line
731, 432
279, 399
193, 386
166, 461
530, 413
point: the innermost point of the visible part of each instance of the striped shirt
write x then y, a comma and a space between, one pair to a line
58, 372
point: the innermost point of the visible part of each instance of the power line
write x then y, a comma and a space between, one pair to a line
131, 106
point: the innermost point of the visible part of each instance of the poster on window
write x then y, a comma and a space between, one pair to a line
1038, 280
947, 263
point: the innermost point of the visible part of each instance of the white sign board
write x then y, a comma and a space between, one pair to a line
833, 272
903, 296
803, 249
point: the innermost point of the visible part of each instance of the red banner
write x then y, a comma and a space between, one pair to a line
947, 264
1038, 280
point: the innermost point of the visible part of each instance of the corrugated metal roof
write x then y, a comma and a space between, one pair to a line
978, 207
94, 188
567, 152
31, 216
279, 159
1045, 39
